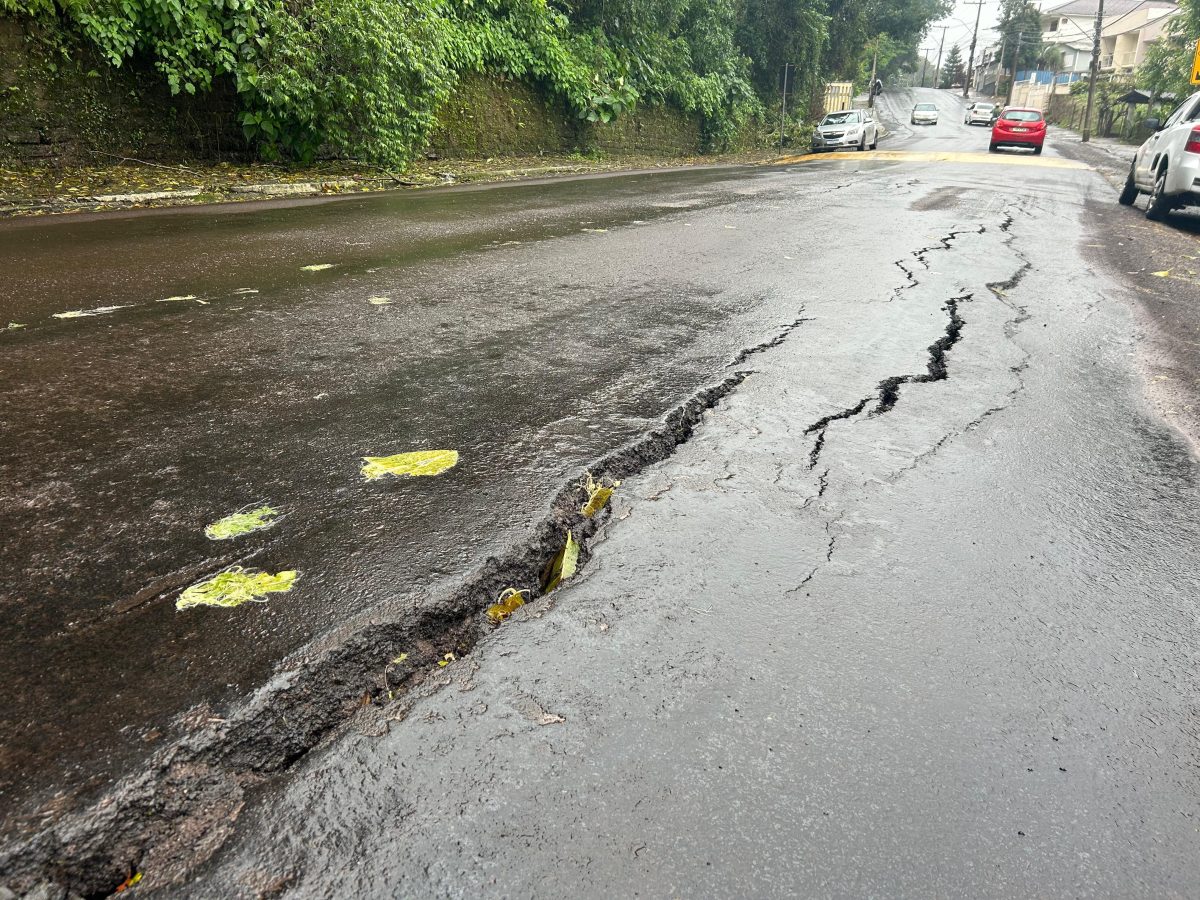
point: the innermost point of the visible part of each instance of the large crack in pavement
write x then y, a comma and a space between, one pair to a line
922, 256
180, 809
937, 369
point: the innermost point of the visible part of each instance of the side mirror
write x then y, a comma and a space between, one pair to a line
1153, 124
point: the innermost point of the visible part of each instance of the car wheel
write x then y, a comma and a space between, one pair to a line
1129, 193
875, 141
1159, 205
1037, 151
862, 145
992, 148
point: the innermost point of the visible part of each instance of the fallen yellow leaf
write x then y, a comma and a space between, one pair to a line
422, 462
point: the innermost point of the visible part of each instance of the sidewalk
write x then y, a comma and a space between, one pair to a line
136, 184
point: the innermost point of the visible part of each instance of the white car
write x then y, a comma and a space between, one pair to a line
925, 114
1167, 166
849, 128
979, 113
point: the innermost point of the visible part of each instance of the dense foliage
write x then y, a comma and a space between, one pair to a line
1167, 67
365, 78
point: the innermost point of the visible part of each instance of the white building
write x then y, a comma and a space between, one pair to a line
1129, 28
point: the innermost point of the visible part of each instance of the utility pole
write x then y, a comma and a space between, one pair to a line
937, 71
1000, 64
1012, 82
1095, 73
783, 104
924, 63
871, 86
971, 58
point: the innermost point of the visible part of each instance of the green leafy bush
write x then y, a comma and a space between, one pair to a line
364, 78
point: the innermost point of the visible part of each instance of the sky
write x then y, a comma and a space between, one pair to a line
959, 26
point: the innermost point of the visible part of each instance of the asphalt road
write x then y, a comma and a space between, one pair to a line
910, 614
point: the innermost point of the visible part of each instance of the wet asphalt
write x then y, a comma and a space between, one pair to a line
947, 650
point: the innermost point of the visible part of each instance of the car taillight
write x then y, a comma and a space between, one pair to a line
1193, 144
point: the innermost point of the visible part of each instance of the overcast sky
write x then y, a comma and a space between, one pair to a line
960, 24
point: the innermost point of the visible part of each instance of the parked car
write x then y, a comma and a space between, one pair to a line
925, 114
1019, 126
849, 128
979, 113
1167, 165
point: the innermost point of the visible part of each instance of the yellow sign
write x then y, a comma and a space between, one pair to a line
1196, 65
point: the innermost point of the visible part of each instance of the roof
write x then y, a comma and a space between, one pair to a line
1111, 7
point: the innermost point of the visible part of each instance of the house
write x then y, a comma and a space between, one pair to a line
1129, 28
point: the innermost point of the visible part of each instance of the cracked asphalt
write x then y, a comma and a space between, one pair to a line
910, 613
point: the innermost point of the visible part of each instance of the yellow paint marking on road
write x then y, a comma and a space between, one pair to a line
997, 159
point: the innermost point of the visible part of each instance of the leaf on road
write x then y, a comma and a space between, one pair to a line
13, 326
563, 566
509, 601
422, 462
1164, 274
241, 522
598, 495
316, 267
81, 313
129, 882
596, 230
236, 586
380, 301
177, 297
246, 291
446, 660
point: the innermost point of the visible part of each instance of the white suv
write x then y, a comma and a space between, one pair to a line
979, 113
1167, 166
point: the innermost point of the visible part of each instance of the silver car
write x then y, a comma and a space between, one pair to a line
849, 128
925, 114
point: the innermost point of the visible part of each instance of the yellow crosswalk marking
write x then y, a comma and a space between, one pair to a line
997, 159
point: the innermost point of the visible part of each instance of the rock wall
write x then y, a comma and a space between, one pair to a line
485, 117
72, 107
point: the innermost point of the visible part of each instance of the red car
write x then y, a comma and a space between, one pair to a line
1019, 126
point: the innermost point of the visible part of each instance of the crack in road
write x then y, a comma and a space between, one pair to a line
887, 392
921, 256
935, 369
746, 353
198, 783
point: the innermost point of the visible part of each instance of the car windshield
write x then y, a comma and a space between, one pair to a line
925, 107
1022, 115
841, 118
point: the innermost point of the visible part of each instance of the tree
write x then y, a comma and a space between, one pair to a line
1168, 63
1020, 28
952, 69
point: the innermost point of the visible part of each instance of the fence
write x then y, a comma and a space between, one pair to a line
838, 96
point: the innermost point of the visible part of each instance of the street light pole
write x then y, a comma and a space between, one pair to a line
1095, 73
971, 58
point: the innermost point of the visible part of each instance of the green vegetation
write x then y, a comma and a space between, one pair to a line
1167, 68
952, 69
364, 79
